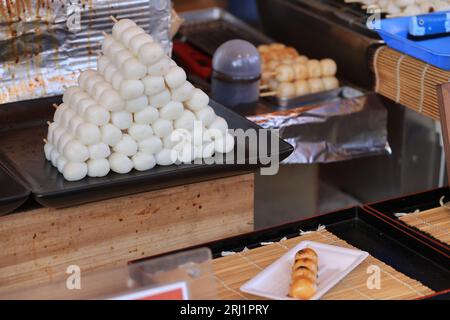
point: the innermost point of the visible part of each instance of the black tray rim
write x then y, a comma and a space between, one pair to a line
14, 201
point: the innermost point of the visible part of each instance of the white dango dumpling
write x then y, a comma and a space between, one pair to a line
224, 144
74, 171
108, 41
59, 112
63, 141
162, 127
100, 88
117, 80
146, 116
186, 153
61, 163
208, 149
160, 99
115, 48
166, 157
131, 89
120, 26
330, 83
98, 167
151, 53
175, 77
84, 105
129, 33
84, 75
198, 100
91, 82
121, 57
75, 151
52, 126
75, 122
99, 151
220, 124
153, 84
186, 121
88, 133
159, 68
76, 98
133, 69
183, 92
110, 71
111, 135
48, 148
67, 116
57, 134
97, 115
54, 155
69, 92
170, 142
122, 119
205, 115
328, 67
150, 145
120, 163
136, 104
103, 62
126, 146
143, 161
140, 132
111, 101
171, 111
138, 41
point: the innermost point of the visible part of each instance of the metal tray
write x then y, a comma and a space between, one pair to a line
421, 201
208, 29
12, 193
21, 151
367, 232
308, 99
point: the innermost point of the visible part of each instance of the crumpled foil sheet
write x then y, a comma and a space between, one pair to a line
338, 130
44, 44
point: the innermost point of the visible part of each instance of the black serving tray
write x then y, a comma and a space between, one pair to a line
12, 193
365, 231
21, 151
410, 203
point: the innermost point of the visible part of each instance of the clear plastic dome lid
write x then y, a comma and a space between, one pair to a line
237, 59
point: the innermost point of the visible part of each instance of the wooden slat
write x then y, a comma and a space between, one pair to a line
37, 246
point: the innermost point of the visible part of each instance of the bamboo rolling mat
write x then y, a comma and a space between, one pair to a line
408, 81
234, 270
435, 222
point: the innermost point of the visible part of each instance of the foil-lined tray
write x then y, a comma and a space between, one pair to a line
45, 44
336, 130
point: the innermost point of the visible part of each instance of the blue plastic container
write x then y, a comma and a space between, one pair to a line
436, 52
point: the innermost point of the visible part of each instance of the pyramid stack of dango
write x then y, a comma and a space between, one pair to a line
136, 111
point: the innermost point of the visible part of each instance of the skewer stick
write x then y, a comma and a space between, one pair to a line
55, 106
45, 141
268, 94
49, 123
104, 33
113, 19
264, 86
269, 73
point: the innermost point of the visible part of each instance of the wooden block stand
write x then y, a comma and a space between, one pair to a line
37, 246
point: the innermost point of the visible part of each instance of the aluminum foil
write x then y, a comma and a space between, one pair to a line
338, 130
44, 44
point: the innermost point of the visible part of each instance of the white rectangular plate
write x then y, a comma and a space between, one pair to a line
334, 264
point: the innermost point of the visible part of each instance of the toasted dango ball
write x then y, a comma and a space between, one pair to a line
61, 163
117, 80
300, 71
183, 92
166, 157
301, 87
131, 89
153, 84
126, 146
140, 132
102, 63
111, 101
54, 155
328, 67
330, 83
143, 161
160, 99
108, 41
97, 115
63, 141
273, 84
306, 253
284, 73
88, 134
120, 26
99, 151
302, 288
205, 116
315, 85
75, 151
286, 90
198, 100
301, 59
175, 77
74, 171
159, 68
150, 53
133, 69
136, 104
84, 75
304, 272
75, 122
162, 127
98, 168
120, 163
314, 68
69, 92
101, 88
219, 123
186, 121
138, 41
48, 148
122, 119
91, 82
304, 262
277, 46
111, 135
146, 116
84, 105
171, 111
151, 145
224, 144
129, 33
